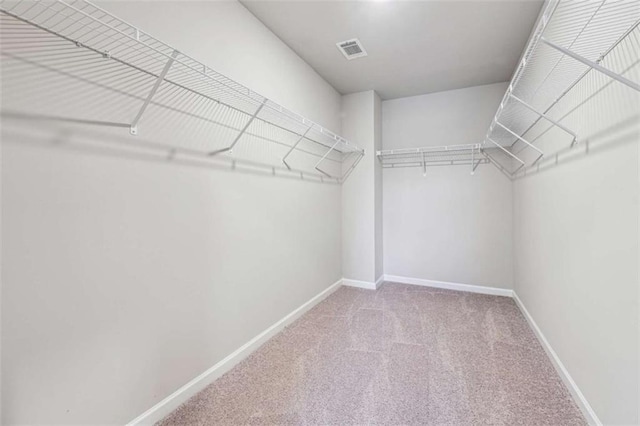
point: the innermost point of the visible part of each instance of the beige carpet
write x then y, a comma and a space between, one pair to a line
399, 355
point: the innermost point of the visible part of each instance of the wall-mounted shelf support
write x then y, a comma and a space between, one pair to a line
244, 129
284, 159
317, 165
134, 124
352, 166
474, 164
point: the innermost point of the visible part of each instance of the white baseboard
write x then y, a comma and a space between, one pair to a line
379, 281
450, 286
577, 395
571, 385
173, 401
362, 284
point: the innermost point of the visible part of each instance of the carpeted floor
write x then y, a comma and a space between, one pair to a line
399, 355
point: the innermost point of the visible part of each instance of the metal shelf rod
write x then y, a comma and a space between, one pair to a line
545, 116
594, 65
154, 89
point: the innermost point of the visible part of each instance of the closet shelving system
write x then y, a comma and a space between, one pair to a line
448, 155
71, 61
571, 40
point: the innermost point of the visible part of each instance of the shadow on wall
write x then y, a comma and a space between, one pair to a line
25, 130
604, 113
55, 87
625, 132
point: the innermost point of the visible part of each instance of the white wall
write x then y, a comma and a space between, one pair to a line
377, 141
576, 241
122, 278
448, 226
360, 195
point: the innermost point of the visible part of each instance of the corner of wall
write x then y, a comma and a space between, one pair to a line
378, 182
514, 257
362, 191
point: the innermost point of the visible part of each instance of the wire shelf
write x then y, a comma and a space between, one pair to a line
571, 40
447, 155
73, 61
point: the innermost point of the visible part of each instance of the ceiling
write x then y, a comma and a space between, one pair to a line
414, 47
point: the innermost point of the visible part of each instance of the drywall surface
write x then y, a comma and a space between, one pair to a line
240, 47
448, 225
358, 198
359, 194
124, 278
377, 139
576, 241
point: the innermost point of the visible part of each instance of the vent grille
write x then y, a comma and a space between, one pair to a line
351, 49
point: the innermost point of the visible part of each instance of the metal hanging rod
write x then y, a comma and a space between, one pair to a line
76, 61
570, 40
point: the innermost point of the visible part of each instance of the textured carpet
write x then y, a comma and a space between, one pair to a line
399, 355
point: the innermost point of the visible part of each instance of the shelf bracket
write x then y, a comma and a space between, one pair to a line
360, 154
244, 129
473, 168
523, 140
475, 165
284, 159
545, 116
424, 165
134, 124
593, 65
322, 159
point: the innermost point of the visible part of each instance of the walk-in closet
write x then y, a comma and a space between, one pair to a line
287, 212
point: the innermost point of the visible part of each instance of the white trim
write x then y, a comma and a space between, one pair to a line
577, 395
450, 286
360, 284
379, 281
173, 401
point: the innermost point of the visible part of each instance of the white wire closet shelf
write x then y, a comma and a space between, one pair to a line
571, 40
448, 155
72, 61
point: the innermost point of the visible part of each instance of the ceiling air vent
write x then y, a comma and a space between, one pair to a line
352, 49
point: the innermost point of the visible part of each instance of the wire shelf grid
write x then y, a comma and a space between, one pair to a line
571, 40
447, 155
73, 61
